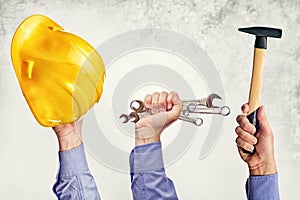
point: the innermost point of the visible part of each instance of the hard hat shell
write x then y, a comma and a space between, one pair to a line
60, 74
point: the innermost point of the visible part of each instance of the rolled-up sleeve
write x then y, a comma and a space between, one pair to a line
74, 179
263, 187
148, 177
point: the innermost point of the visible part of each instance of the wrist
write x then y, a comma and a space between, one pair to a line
69, 142
143, 141
265, 168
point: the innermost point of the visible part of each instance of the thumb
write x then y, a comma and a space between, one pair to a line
263, 121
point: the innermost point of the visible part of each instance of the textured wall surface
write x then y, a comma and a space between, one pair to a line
28, 158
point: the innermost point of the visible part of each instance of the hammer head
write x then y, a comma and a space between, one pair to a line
261, 34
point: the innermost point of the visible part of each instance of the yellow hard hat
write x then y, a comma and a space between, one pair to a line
60, 74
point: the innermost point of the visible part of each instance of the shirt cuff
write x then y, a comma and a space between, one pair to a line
263, 187
146, 158
73, 162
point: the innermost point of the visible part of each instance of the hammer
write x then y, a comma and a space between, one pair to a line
260, 47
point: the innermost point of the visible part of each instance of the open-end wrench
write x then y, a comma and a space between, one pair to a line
204, 106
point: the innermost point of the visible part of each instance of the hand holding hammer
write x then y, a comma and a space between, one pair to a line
260, 47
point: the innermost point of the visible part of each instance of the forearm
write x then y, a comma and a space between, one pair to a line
74, 180
148, 178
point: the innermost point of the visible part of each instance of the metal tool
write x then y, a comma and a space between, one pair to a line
260, 47
204, 106
140, 111
198, 106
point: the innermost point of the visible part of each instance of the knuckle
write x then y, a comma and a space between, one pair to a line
162, 97
237, 129
164, 93
155, 94
238, 119
173, 93
237, 140
148, 96
243, 106
244, 124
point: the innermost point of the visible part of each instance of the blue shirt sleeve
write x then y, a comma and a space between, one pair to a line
74, 179
263, 187
148, 177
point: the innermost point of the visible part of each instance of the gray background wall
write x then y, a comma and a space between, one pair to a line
28, 152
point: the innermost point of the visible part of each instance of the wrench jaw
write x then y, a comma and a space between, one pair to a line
135, 116
125, 118
210, 99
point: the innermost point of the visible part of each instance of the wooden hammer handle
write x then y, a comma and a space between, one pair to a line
255, 89
256, 81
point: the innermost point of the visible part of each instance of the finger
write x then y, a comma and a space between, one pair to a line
169, 100
154, 103
243, 144
163, 101
176, 100
245, 108
174, 113
245, 124
148, 101
249, 138
173, 99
